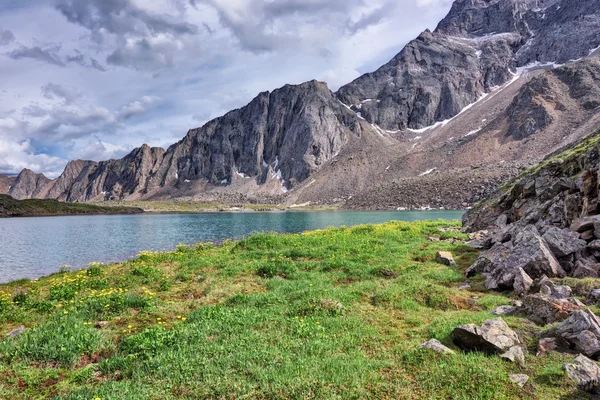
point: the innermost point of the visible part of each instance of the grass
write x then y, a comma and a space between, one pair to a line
10, 207
328, 314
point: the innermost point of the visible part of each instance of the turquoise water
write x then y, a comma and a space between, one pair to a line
34, 247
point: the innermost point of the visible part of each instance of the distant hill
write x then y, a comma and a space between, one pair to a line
10, 207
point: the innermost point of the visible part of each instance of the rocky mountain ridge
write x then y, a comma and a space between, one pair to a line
478, 98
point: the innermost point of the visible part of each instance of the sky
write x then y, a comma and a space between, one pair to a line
93, 79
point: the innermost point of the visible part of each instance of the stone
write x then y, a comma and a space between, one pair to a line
584, 224
592, 297
437, 346
489, 259
587, 235
585, 373
492, 337
530, 253
545, 346
582, 331
585, 270
101, 324
543, 309
522, 282
16, 332
515, 354
503, 310
519, 379
445, 257
563, 242
465, 286
548, 288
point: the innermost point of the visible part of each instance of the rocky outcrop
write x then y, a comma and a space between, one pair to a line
554, 207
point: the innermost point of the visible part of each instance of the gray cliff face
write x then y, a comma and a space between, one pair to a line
29, 185
478, 46
62, 185
290, 132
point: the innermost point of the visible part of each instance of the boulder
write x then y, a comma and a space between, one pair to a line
492, 337
519, 379
16, 332
445, 257
465, 286
585, 373
488, 260
593, 297
530, 252
588, 235
582, 331
585, 270
437, 346
543, 309
514, 354
581, 225
522, 282
548, 288
563, 242
503, 310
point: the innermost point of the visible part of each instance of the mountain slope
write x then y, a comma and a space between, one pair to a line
5, 183
474, 101
473, 50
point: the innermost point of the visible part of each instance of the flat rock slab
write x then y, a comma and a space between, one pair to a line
437, 346
492, 337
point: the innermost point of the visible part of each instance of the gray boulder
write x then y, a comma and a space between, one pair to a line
593, 297
585, 373
563, 242
492, 337
503, 262
582, 331
585, 270
445, 257
549, 288
503, 310
522, 283
437, 346
543, 309
515, 354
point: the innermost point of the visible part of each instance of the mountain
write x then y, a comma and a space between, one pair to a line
457, 112
5, 183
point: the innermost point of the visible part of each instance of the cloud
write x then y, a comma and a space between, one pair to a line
139, 107
142, 40
147, 52
48, 55
6, 37
97, 150
68, 93
15, 156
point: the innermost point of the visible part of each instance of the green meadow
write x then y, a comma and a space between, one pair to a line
328, 314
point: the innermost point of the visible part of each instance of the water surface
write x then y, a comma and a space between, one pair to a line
34, 247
